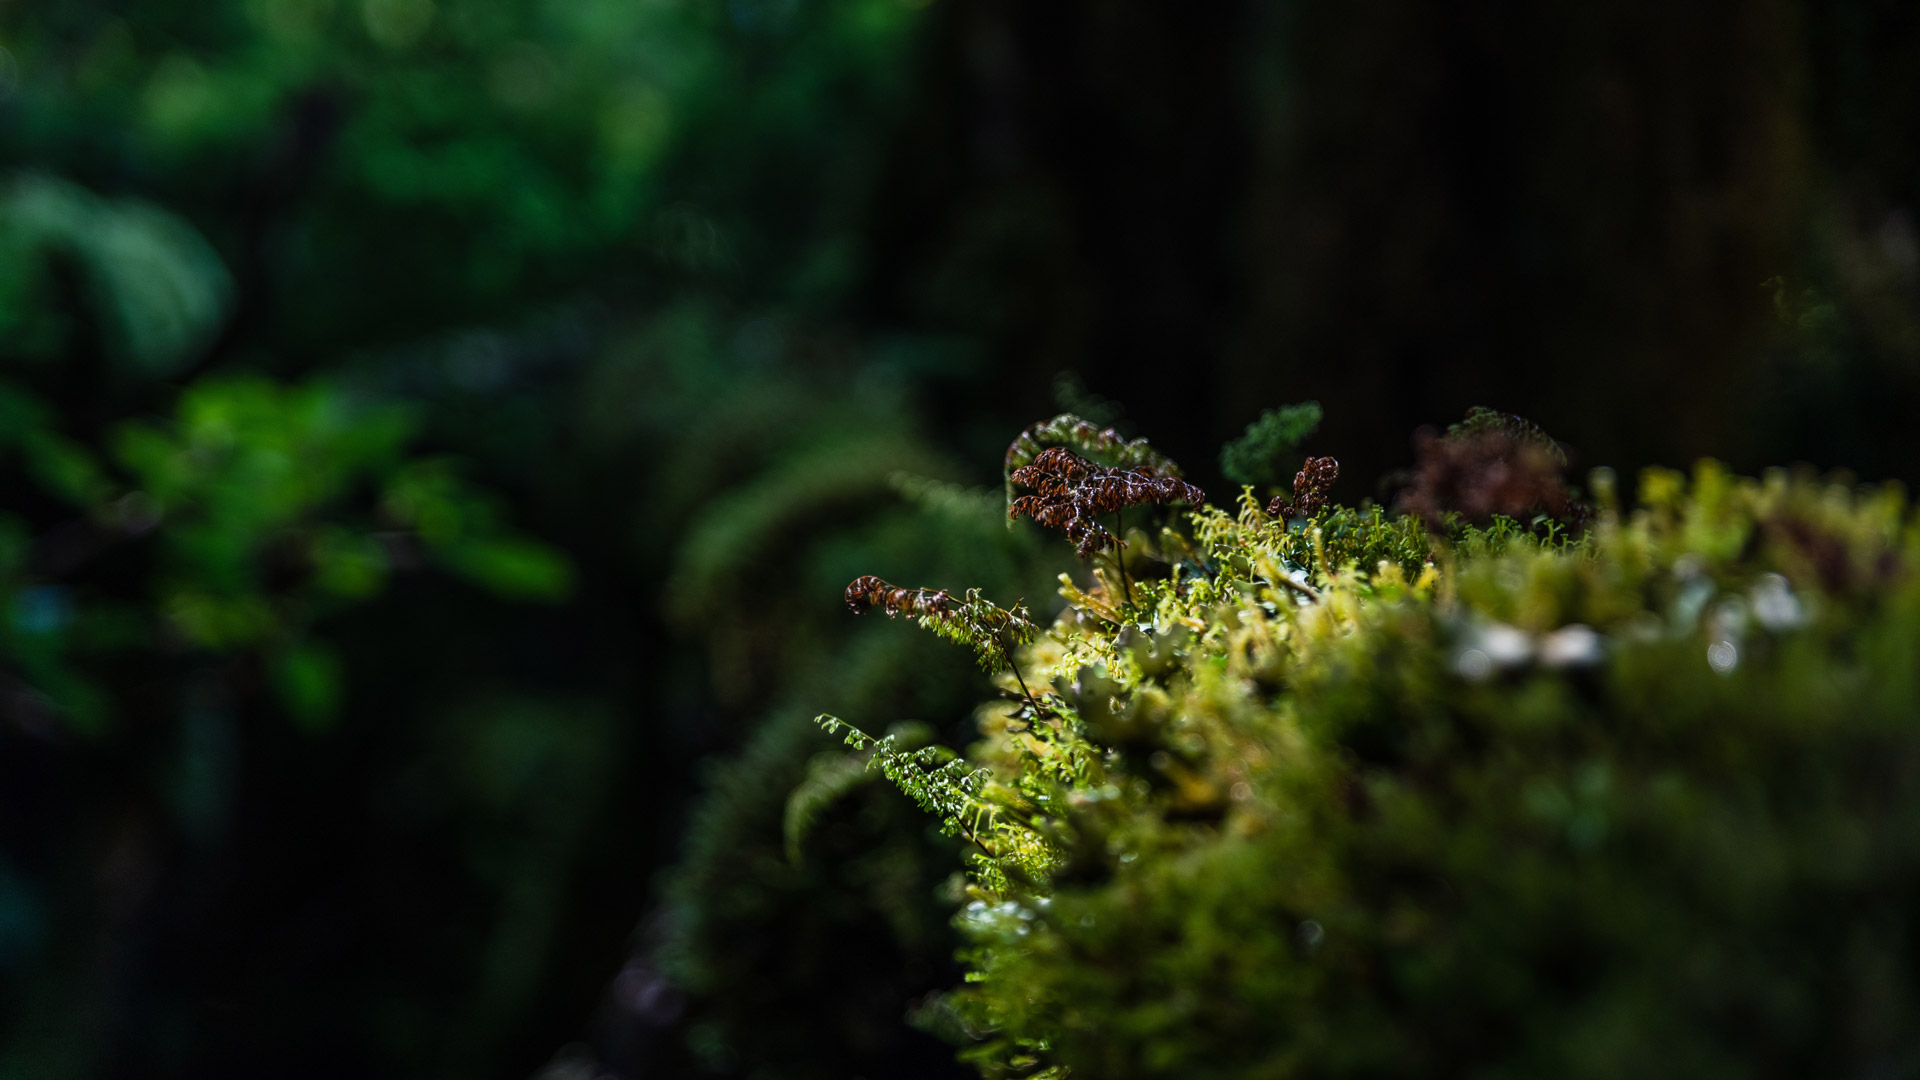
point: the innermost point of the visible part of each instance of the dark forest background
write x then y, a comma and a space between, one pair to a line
434, 435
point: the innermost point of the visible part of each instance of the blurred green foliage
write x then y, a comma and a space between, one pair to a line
305, 301
248, 494
157, 290
1265, 455
801, 949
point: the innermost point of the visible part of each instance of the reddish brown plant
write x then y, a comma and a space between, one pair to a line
866, 593
1310, 487
1070, 492
1102, 444
1491, 464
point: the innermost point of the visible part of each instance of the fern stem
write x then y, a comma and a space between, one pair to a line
1001, 638
1120, 528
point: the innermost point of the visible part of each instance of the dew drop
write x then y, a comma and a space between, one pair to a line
1723, 657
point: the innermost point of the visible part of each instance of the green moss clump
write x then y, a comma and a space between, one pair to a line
1344, 800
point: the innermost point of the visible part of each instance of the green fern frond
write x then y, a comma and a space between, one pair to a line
830, 777
1261, 456
993, 632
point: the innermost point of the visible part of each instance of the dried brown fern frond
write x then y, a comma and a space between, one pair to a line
1102, 445
1070, 492
1310, 487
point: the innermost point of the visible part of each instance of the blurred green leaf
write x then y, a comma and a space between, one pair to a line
158, 287
308, 678
522, 569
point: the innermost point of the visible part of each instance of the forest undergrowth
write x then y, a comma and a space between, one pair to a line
1498, 780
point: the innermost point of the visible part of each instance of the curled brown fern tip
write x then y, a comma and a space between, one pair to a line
868, 592
1070, 492
1310, 487
992, 631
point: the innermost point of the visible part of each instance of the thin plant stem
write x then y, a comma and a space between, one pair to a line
1015, 668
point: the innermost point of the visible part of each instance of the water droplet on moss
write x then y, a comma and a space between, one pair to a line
1576, 645
1474, 664
1723, 657
1774, 604
1311, 935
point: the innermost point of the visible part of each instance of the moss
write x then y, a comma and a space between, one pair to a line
1347, 799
